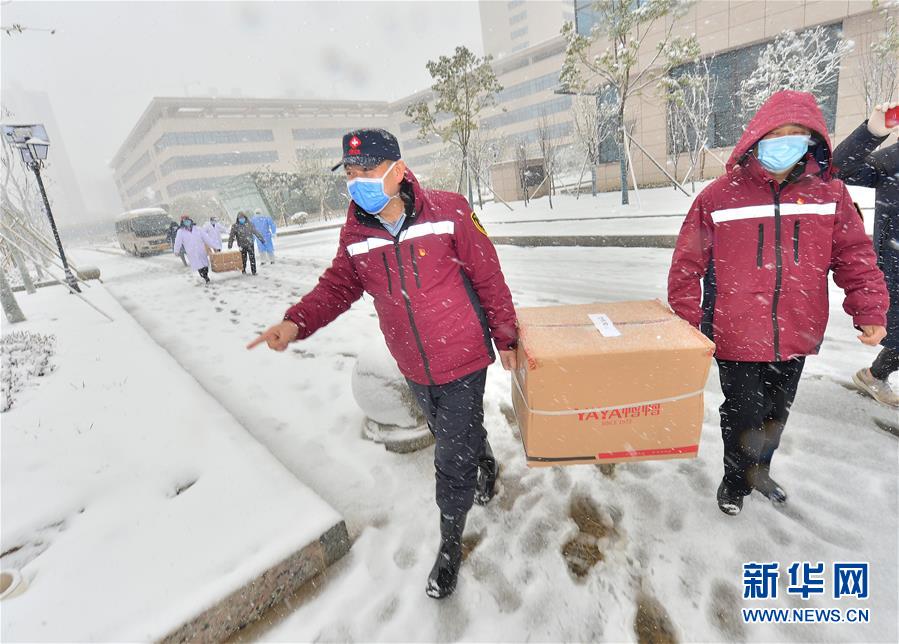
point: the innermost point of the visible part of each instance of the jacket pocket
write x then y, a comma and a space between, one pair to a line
414, 265
796, 242
761, 246
387, 270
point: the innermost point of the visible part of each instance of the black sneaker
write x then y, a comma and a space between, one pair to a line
445, 573
729, 501
769, 488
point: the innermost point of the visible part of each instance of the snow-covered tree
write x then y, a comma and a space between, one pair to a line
548, 146
879, 63
807, 62
689, 97
317, 182
200, 205
444, 174
607, 62
275, 188
595, 122
484, 150
521, 165
464, 86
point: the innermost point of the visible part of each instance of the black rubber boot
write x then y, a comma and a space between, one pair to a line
487, 470
729, 501
768, 487
445, 573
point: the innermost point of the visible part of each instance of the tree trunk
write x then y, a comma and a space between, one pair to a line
23, 271
593, 178
550, 191
622, 161
10, 307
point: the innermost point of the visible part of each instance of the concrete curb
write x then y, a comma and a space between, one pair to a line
246, 605
303, 231
623, 241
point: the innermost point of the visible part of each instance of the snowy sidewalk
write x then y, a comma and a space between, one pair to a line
134, 504
562, 554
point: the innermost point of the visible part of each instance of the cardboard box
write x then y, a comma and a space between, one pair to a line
227, 260
608, 383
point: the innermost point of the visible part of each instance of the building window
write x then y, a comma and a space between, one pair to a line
518, 33
217, 160
555, 131
519, 47
514, 4
147, 180
585, 16
549, 107
196, 185
137, 165
413, 144
213, 137
609, 150
729, 70
518, 17
528, 87
314, 133
335, 153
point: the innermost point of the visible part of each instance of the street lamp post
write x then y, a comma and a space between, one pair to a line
33, 144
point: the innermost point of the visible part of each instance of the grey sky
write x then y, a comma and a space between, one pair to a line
108, 59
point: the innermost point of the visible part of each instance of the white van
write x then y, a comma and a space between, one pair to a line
144, 231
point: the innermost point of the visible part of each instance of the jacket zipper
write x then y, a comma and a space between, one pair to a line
387, 270
796, 242
778, 277
415, 333
414, 265
759, 252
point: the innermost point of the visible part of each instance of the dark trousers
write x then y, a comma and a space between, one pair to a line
455, 415
204, 273
885, 364
757, 401
244, 252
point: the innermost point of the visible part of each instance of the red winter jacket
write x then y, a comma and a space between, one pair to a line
437, 287
764, 250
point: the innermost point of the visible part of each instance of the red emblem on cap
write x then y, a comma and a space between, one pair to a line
354, 145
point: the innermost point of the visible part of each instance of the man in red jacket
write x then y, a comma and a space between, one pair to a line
762, 238
442, 303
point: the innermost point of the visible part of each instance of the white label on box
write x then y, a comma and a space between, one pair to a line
602, 322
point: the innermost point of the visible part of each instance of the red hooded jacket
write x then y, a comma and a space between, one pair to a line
437, 287
764, 250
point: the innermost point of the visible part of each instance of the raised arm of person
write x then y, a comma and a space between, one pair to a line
337, 289
689, 264
852, 158
855, 270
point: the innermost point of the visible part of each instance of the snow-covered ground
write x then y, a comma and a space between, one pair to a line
657, 211
564, 553
131, 500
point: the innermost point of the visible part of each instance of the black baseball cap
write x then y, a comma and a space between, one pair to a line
368, 148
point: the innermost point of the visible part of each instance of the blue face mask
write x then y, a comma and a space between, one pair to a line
369, 193
782, 153
241, 220
187, 223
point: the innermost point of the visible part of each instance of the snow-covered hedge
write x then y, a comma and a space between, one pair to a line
26, 355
